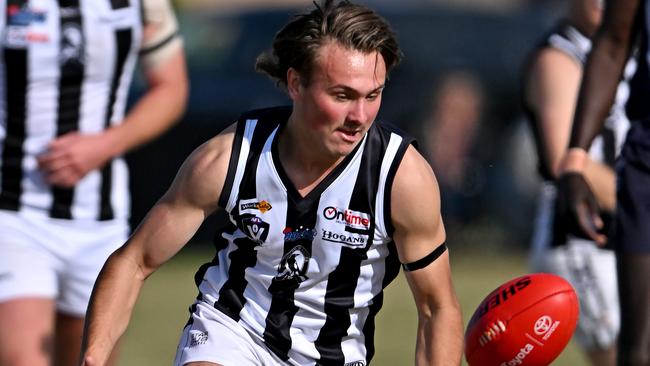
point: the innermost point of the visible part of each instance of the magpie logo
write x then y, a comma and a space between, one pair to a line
294, 265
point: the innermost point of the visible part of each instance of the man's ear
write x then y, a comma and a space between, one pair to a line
293, 83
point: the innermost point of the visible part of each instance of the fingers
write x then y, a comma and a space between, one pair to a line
59, 169
66, 177
590, 223
578, 208
60, 164
63, 140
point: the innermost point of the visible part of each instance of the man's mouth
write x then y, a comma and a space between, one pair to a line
349, 135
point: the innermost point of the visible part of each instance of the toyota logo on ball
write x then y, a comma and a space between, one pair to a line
543, 324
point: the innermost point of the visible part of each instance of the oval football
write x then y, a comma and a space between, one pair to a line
528, 320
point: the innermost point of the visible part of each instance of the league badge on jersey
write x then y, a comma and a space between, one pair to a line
254, 228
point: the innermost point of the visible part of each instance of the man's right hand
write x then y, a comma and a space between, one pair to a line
577, 207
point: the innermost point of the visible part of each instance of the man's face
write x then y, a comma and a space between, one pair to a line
342, 99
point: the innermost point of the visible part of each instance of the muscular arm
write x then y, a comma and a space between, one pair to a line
165, 230
419, 231
70, 157
551, 92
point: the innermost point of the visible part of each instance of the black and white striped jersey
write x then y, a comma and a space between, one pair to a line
607, 145
305, 274
66, 66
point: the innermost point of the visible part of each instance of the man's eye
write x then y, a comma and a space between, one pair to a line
342, 97
372, 96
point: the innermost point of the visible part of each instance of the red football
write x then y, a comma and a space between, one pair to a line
526, 321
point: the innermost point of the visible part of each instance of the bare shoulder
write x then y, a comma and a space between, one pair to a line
553, 64
415, 207
413, 172
554, 75
202, 175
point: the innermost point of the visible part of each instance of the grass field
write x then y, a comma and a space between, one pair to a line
162, 309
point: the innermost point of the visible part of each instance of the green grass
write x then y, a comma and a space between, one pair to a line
161, 311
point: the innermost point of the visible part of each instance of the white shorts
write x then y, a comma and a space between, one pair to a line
592, 272
53, 258
214, 337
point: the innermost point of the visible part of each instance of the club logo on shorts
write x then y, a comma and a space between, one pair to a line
356, 363
198, 337
294, 265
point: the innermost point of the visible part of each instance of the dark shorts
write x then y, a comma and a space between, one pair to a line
633, 186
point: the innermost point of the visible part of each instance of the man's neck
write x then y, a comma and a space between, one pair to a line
305, 164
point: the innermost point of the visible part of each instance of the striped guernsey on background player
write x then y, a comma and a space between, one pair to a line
51, 70
66, 68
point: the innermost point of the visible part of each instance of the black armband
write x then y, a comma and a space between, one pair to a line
421, 263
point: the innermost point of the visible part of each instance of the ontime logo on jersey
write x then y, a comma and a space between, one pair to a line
353, 219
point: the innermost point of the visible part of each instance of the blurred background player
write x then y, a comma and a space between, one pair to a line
65, 71
625, 22
551, 82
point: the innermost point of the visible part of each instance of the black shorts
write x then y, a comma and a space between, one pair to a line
633, 187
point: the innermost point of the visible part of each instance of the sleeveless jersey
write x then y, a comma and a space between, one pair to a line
305, 274
66, 66
605, 148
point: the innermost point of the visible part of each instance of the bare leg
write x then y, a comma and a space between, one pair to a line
26, 328
69, 330
634, 288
